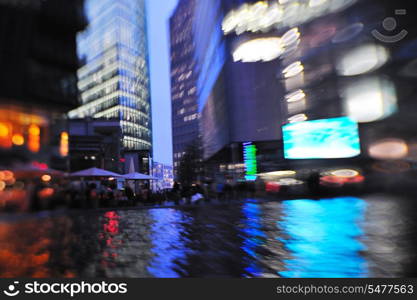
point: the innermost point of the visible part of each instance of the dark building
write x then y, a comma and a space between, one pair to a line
38, 65
95, 143
357, 63
238, 101
185, 115
336, 60
263, 66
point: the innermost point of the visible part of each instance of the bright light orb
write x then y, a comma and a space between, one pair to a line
370, 100
345, 173
291, 37
362, 59
280, 173
264, 16
390, 149
18, 139
260, 49
290, 182
298, 118
295, 96
316, 3
46, 178
293, 70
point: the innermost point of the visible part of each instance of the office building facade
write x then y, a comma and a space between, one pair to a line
165, 175
95, 143
185, 115
345, 70
114, 80
238, 102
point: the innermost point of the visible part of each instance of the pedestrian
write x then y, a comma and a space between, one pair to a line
220, 191
92, 196
129, 194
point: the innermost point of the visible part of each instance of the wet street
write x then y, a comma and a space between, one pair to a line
373, 236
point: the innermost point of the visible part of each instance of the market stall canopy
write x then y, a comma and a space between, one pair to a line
95, 172
138, 176
28, 171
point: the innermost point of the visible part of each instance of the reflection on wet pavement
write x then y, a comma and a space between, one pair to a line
342, 237
322, 237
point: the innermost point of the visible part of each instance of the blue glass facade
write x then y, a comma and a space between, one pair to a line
185, 116
114, 80
237, 102
210, 47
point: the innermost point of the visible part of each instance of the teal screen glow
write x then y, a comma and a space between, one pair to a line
328, 138
251, 166
324, 238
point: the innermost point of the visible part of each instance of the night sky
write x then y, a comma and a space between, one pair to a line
159, 12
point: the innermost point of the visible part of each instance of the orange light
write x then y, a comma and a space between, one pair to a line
18, 139
64, 144
46, 193
4, 130
34, 130
34, 138
8, 175
46, 178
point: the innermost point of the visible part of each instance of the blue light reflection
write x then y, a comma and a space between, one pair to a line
169, 246
322, 238
254, 237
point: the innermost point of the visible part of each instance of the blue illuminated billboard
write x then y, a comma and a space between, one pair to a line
328, 138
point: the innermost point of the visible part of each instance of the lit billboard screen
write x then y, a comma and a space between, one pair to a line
328, 138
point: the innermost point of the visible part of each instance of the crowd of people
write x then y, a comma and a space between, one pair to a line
207, 191
79, 194
69, 193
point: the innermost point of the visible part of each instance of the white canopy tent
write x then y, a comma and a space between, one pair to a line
95, 172
138, 176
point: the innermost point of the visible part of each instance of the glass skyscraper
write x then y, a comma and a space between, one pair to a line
114, 78
185, 117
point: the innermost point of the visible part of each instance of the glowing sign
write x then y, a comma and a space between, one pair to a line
5, 131
64, 144
261, 49
34, 138
264, 16
251, 165
328, 138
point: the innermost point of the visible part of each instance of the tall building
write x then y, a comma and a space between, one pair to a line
344, 68
238, 101
185, 116
165, 176
114, 80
